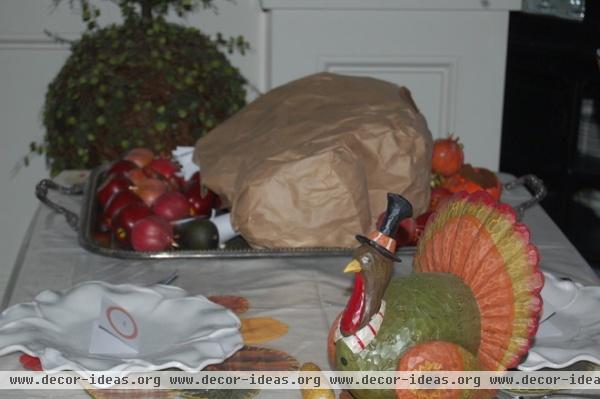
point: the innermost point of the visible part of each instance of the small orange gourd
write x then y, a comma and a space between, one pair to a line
472, 179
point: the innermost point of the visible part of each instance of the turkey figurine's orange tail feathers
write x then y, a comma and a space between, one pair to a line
479, 240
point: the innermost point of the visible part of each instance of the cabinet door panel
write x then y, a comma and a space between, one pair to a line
431, 80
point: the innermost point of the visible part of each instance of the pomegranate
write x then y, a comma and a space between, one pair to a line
151, 234
447, 156
201, 199
172, 205
149, 190
120, 167
140, 156
127, 216
118, 202
110, 187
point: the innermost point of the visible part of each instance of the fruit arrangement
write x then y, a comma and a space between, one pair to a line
450, 174
145, 204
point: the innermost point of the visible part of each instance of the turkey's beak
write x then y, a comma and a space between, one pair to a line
353, 267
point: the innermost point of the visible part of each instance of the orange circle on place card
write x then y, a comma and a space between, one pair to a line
120, 310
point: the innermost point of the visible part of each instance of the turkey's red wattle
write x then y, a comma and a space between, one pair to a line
354, 308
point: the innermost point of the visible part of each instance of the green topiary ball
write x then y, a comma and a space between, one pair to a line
158, 86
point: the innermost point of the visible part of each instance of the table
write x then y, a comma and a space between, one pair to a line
304, 293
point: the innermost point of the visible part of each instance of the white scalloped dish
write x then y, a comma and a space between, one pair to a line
569, 330
175, 329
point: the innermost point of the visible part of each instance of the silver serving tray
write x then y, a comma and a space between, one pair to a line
84, 224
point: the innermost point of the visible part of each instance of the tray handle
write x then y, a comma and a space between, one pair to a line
535, 185
41, 191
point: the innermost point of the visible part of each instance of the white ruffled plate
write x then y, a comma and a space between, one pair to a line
569, 330
176, 330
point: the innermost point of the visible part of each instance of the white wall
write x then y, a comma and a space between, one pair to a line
29, 60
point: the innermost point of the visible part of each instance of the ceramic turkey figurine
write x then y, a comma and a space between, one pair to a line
471, 303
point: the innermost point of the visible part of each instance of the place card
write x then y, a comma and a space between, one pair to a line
116, 330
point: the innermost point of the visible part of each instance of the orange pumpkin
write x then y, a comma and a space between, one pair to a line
472, 179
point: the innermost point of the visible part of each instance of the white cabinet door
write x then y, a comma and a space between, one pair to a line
451, 56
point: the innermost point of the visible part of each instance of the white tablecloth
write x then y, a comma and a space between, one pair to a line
305, 293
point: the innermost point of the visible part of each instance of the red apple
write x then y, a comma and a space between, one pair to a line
151, 234
110, 187
120, 167
140, 174
172, 205
118, 202
123, 221
165, 167
194, 179
140, 156
201, 199
150, 189
177, 182
166, 170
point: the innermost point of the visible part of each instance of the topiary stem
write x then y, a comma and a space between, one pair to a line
146, 12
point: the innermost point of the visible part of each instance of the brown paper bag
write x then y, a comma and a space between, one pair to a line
309, 164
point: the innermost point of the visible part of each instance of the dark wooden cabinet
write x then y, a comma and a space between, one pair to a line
551, 70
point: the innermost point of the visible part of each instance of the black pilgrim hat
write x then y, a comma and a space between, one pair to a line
398, 209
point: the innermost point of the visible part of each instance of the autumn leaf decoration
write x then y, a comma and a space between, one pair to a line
255, 330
